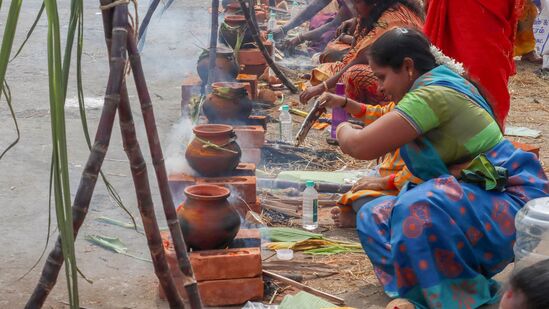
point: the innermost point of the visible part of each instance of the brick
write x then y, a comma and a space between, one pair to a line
226, 264
250, 137
225, 292
251, 56
253, 69
527, 147
258, 120
189, 87
246, 238
242, 186
252, 155
252, 81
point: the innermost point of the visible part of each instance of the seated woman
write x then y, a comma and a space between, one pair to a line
391, 177
439, 243
322, 28
376, 18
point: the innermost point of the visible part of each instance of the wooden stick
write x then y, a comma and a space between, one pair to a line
161, 176
81, 203
213, 42
249, 13
336, 300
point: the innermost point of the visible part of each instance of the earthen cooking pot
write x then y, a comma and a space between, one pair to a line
226, 68
213, 151
233, 27
207, 219
228, 103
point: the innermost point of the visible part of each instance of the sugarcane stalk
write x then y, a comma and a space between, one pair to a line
161, 176
88, 180
213, 42
249, 13
145, 202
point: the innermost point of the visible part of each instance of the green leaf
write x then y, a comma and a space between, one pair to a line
110, 243
286, 234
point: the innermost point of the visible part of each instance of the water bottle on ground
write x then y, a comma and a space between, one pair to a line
270, 38
310, 206
532, 226
339, 114
285, 123
295, 9
271, 23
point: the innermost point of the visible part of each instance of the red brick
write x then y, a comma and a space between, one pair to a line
226, 264
527, 147
252, 81
253, 69
247, 238
189, 87
257, 120
251, 56
245, 186
252, 155
250, 137
225, 292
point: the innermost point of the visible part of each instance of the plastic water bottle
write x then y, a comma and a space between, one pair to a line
310, 206
295, 9
285, 122
339, 114
532, 226
271, 23
270, 38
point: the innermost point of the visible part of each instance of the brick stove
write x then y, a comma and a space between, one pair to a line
225, 277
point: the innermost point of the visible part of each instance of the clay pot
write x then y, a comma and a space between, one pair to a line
211, 161
226, 67
232, 27
228, 103
207, 219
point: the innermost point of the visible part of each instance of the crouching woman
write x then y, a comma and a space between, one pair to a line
439, 243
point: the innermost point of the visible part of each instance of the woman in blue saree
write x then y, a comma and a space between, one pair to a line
439, 243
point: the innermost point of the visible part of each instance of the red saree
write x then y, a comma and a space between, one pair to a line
480, 34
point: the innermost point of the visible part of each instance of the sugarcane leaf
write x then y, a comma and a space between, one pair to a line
7, 94
110, 243
115, 222
286, 234
31, 30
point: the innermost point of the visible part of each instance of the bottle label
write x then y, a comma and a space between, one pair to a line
315, 210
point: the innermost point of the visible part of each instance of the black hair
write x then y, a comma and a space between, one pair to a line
394, 46
533, 283
380, 6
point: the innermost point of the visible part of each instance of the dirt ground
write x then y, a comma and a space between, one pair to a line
120, 281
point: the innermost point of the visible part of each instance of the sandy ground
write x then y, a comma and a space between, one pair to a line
120, 281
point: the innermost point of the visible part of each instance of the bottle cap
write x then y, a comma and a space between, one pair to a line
270, 37
273, 14
310, 183
340, 89
285, 107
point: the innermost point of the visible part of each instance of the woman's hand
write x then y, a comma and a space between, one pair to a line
346, 39
331, 100
310, 93
347, 27
278, 33
287, 44
371, 183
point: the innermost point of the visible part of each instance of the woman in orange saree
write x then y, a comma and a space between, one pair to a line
376, 18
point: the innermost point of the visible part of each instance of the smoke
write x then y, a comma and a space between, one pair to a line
178, 139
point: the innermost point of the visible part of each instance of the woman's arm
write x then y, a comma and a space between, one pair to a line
309, 12
315, 34
384, 135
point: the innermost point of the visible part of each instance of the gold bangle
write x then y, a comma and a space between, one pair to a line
325, 85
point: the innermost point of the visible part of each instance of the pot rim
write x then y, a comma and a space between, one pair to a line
197, 192
235, 18
232, 85
209, 130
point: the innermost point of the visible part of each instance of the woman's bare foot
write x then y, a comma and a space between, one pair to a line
532, 57
344, 216
400, 303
